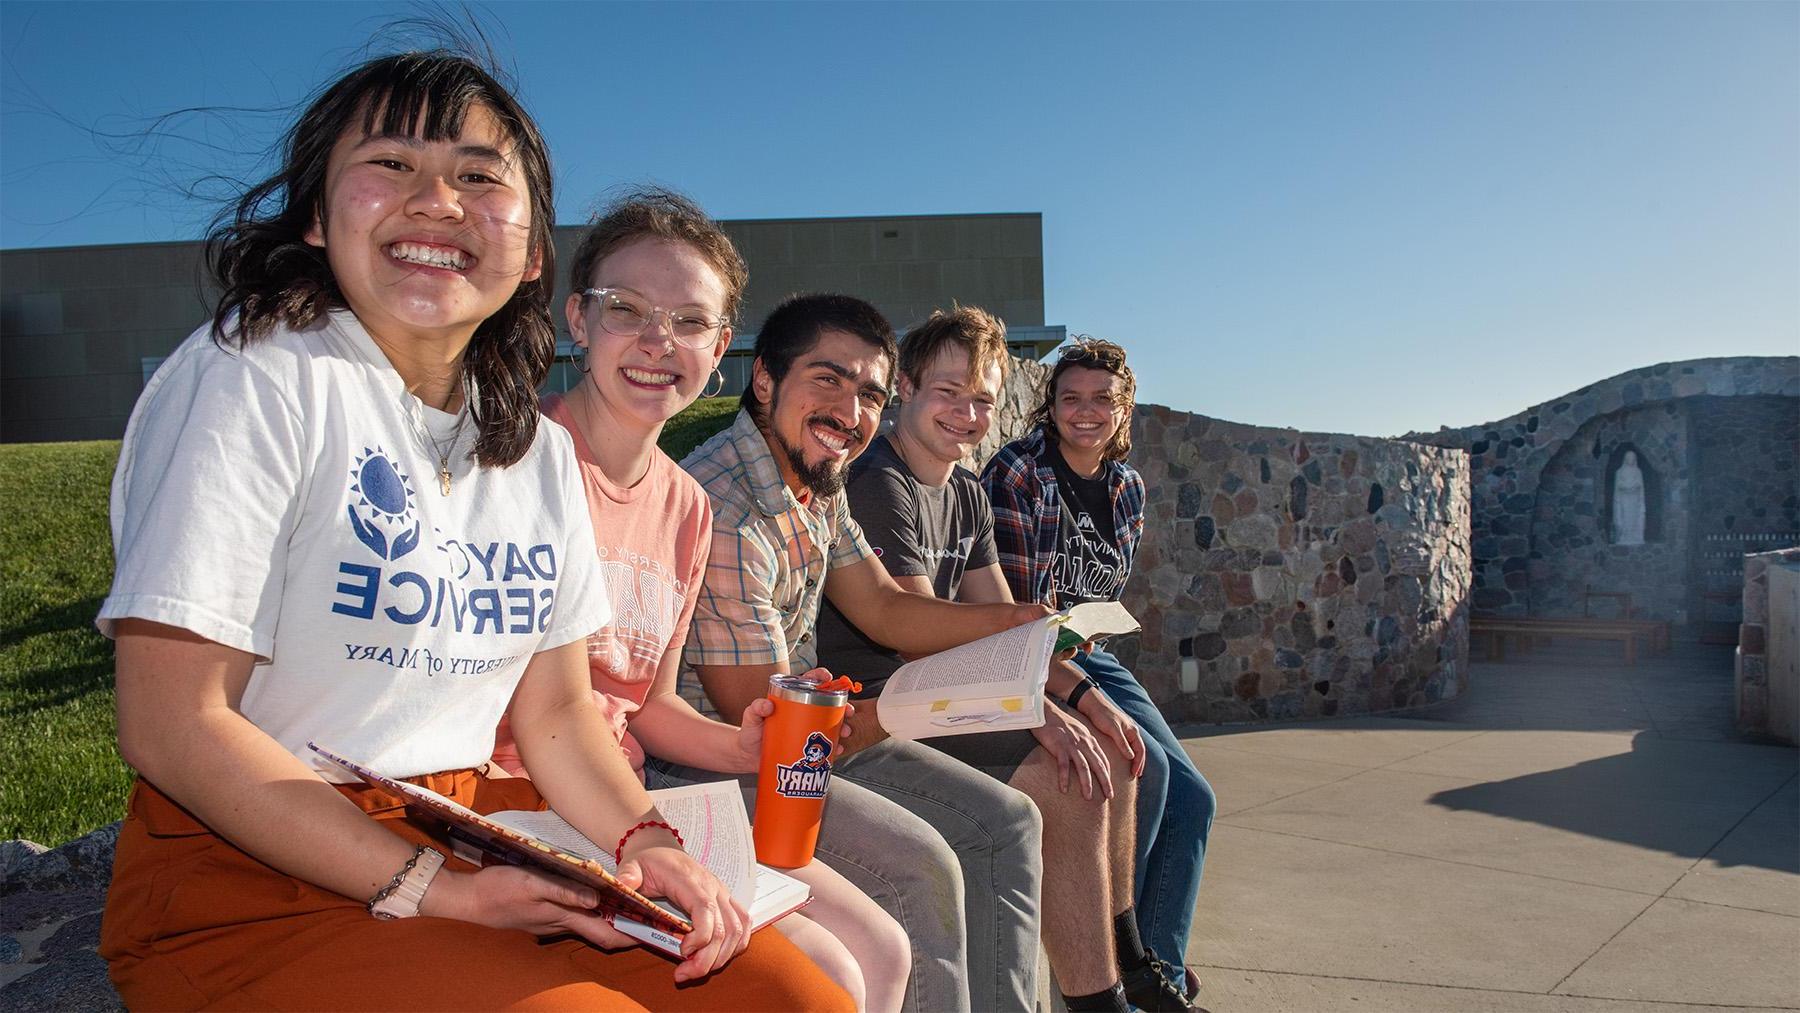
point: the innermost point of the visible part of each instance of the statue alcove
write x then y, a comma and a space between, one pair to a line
1653, 494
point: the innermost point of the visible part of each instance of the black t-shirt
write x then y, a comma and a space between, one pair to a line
917, 531
1088, 566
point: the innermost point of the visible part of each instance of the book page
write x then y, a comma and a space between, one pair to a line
1100, 619
716, 831
777, 893
963, 717
998, 666
555, 831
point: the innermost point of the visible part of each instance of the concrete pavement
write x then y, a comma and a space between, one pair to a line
1574, 835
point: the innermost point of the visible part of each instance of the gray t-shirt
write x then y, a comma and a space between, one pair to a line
918, 531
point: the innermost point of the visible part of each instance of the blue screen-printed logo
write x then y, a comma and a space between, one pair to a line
381, 513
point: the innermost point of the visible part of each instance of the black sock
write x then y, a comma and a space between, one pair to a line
1110, 1000
1126, 939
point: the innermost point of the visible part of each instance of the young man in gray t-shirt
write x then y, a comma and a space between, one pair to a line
929, 520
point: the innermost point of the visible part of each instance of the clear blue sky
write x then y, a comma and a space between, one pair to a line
1352, 217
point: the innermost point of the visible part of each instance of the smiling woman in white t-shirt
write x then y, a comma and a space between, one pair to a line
338, 519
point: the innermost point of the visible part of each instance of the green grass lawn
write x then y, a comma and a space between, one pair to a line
60, 772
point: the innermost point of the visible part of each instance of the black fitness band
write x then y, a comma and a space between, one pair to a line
1080, 690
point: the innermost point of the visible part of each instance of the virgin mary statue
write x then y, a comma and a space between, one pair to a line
1628, 502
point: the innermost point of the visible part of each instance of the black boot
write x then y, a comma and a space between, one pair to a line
1111, 1000
1148, 986
1147, 980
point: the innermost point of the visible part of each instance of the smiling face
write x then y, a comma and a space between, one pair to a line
1087, 410
824, 412
949, 411
644, 381
426, 239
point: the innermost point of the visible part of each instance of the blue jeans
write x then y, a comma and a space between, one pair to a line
1174, 816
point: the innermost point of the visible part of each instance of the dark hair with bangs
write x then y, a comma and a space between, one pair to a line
1090, 353
794, 328
663, 214
270, 274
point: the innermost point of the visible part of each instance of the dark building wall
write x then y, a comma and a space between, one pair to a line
75, 327
78, 323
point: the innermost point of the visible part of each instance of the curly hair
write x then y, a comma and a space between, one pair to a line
1089, 353
269, 274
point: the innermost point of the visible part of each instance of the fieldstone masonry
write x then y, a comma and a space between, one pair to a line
1717, 442
50, 903
1305, 575
1296, 574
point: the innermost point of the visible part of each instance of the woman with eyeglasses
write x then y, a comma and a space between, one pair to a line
1068, 514
656, 283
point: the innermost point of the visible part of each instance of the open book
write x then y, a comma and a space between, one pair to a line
985, 685
1094, 619
713, 825
994, 683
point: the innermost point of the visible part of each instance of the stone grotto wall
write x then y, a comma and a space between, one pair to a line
1717, 439
1570, 532
1747, 498
1296, 574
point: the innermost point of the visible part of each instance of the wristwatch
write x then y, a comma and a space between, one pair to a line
402, 897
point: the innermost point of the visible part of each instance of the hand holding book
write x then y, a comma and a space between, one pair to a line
575, 885
993, 683
721, 925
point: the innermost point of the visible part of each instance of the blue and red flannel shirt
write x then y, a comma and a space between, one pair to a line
1028, 508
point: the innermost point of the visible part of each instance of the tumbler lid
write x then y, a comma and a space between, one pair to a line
798, 690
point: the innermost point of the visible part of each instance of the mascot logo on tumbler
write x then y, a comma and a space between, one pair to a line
808, 776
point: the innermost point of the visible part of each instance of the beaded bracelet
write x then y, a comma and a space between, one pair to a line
619, 852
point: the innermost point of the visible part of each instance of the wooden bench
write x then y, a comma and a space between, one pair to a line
1625, 631
1655, 630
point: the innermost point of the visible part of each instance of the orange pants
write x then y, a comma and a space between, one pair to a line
192, 922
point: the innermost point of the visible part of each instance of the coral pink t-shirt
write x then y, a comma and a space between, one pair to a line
653, 540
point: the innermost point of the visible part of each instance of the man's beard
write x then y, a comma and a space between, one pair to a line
824, 479
827, 477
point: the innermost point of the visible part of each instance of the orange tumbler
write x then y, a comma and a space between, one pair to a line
798, 740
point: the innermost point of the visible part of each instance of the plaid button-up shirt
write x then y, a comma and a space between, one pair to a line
770, 554
1028, 510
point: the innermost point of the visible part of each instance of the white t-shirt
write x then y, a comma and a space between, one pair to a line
282, 500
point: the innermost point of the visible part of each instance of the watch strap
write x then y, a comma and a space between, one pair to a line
402, 897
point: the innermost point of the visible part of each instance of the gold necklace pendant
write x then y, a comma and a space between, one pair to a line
444, 476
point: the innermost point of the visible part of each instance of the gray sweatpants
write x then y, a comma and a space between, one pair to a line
996, 835
951, 853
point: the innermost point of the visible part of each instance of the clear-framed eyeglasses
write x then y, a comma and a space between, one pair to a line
628, 315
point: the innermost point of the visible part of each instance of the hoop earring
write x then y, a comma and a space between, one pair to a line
721, 390
581, 362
